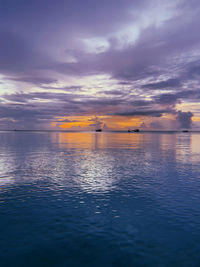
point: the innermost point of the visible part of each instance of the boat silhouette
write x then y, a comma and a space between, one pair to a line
133, 131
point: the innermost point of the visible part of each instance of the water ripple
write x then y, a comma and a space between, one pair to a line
108, 199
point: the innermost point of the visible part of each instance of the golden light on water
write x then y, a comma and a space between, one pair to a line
93, 140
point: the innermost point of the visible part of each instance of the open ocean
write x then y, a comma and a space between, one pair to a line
99, 199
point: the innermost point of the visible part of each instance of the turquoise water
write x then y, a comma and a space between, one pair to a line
99, 199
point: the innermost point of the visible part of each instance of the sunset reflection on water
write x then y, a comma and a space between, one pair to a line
94, 140
81, 193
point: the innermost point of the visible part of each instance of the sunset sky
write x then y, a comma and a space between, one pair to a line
85, 64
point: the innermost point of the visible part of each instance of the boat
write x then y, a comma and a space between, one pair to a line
98, 130
133, 131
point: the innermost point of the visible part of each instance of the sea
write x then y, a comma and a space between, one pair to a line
94, 199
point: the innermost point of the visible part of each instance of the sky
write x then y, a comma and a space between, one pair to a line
115, 65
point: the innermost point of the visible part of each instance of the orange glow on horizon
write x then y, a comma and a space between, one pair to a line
195, 118
85, 122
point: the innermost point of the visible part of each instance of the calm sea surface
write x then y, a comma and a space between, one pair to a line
99, 199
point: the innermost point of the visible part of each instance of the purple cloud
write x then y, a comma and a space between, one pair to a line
97, 57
